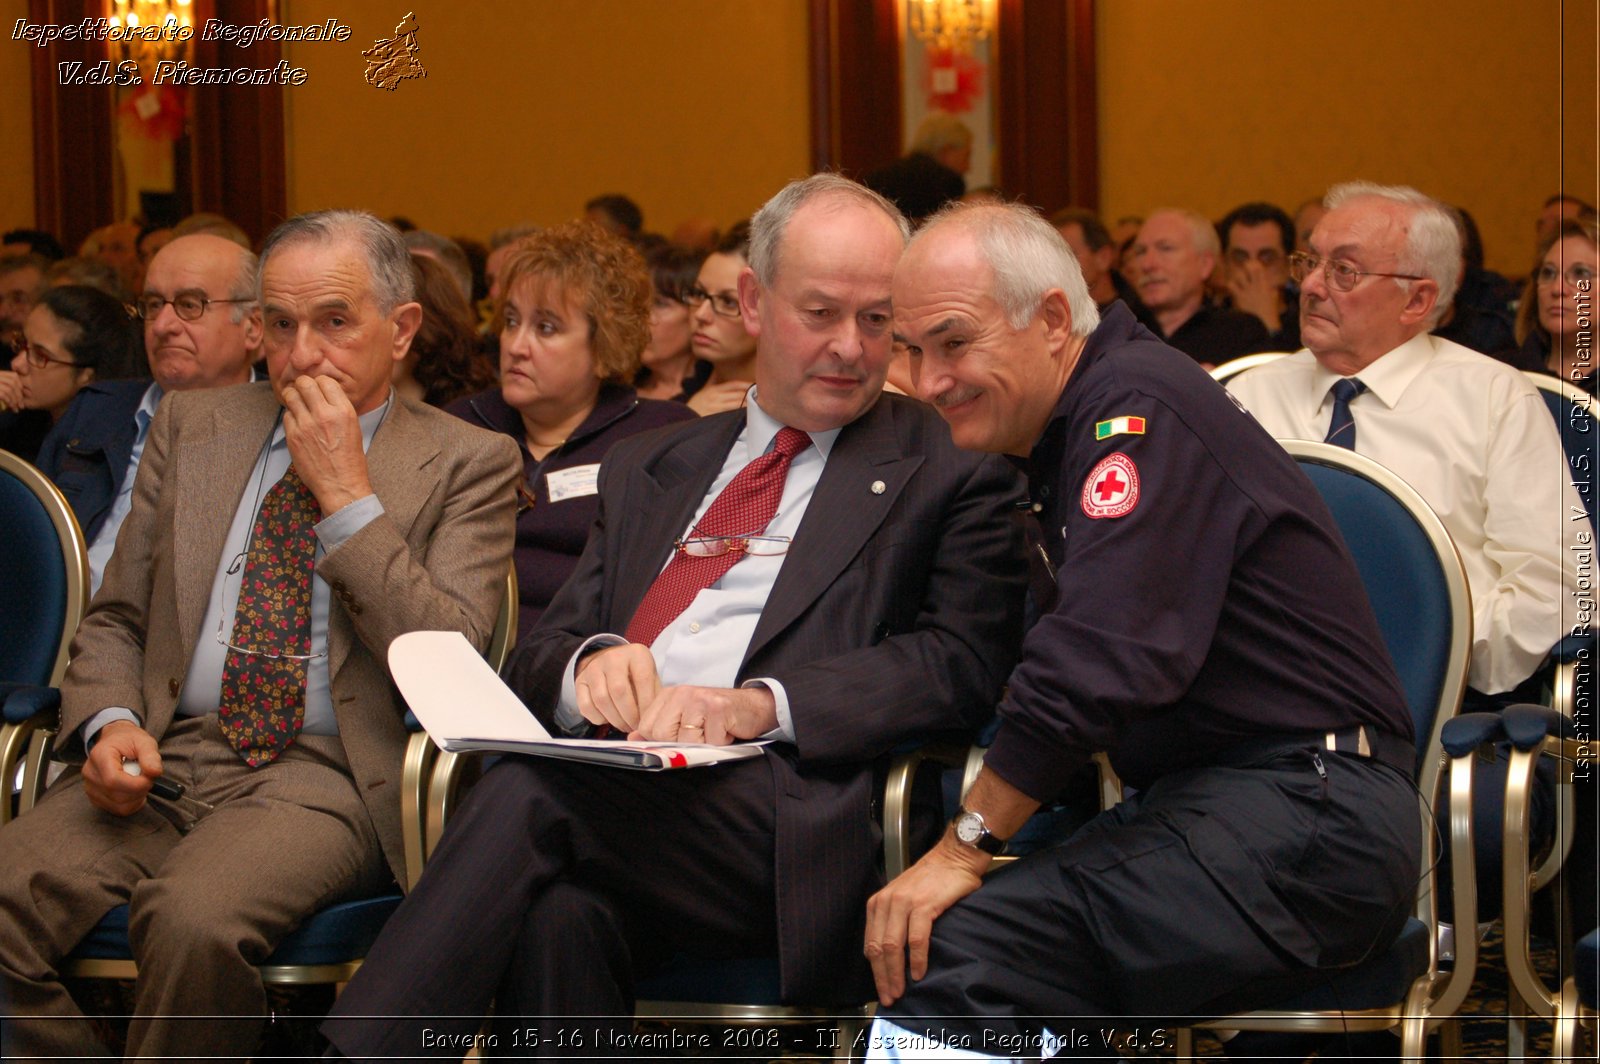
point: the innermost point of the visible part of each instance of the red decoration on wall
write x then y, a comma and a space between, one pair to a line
954, 80
157, 112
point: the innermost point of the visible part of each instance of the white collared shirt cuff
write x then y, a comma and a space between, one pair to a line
785, 728
346, 521
568, 718
92, 726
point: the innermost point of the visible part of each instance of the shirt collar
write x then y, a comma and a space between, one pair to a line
369, 424
761, 428
1386, 377
147, 406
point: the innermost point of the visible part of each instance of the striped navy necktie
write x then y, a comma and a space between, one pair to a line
1342, 427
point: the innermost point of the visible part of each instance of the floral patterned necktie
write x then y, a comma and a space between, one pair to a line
264, 693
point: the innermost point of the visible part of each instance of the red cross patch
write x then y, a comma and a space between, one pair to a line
1112, 487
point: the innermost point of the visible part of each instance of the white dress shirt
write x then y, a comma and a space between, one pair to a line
1476, 441
705, 644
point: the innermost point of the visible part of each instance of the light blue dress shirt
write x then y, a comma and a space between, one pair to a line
704, 645
106, 538
202, 685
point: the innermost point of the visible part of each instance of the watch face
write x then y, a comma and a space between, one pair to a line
969, 828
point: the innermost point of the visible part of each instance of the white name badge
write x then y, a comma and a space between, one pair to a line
573, 483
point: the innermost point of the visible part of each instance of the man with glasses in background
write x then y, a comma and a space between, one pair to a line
1470, 434
281, 535
201, 330
822, 568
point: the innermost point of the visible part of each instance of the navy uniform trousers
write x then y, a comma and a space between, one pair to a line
1215, 889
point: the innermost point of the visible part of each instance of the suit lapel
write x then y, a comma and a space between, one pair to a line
662, 502
211, 470
846, 508
400, 466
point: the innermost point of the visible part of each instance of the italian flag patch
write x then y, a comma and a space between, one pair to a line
1119, 426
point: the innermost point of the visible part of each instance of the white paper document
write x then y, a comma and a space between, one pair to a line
464, 706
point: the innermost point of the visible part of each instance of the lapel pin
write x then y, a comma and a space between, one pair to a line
879, 487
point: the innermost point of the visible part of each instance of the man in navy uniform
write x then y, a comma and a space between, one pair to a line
1274, 835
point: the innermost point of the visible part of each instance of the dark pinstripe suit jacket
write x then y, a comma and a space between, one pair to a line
895, 615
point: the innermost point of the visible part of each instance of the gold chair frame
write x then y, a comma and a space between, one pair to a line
1235, 366
1436, 995
414, 783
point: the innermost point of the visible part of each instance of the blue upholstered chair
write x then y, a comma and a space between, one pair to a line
44, 590
1573, 410
1530, 732
330, 946
1419, 592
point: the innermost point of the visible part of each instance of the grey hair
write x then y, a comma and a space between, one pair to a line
449, 254
1433, 242
510, 235
1205, 233
243, 285
388, 260
1029, 257
768, 224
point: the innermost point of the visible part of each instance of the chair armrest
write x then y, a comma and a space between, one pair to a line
26, 739
897, 856
26, 701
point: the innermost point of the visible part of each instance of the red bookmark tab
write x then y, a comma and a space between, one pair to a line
677, 760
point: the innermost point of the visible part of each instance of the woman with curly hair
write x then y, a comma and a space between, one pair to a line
444, 362
573, 319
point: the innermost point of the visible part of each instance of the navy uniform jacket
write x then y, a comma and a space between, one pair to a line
1206, 596
88, 450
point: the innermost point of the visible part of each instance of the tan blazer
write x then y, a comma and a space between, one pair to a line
435, 559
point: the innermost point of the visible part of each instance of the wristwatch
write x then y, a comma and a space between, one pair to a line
972, 831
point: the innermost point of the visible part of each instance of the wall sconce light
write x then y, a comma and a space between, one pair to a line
950, 24
150, 30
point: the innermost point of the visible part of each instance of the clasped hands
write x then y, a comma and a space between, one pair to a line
619, 687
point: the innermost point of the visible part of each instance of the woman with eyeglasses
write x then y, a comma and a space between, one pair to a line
1560, 290
719, 333
573, 319
73, 335
668, 359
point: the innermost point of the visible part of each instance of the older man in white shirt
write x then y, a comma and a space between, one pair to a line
1470, 434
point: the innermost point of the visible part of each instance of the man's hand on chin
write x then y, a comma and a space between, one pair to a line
324, 437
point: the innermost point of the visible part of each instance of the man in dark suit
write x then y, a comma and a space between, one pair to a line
202, 329
883, 602
401, 520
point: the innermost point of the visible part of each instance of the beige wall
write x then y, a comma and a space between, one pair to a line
1209, 103
16, 124
699, 107
695, 107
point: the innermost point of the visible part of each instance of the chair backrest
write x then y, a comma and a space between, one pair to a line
1573, 409
1234, 367
1413, 578
505, 625
44, 575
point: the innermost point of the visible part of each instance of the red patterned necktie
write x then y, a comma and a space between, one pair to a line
264, 694
745, 508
